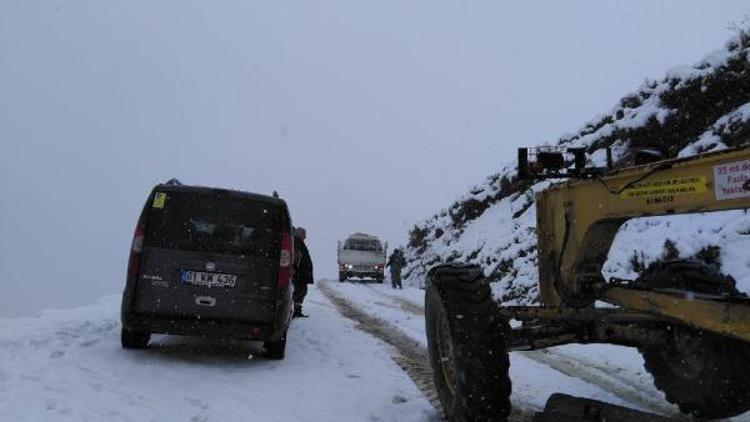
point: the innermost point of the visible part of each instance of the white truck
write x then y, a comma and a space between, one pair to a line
361, 255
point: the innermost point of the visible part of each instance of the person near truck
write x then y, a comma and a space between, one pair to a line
303, 270
396, 261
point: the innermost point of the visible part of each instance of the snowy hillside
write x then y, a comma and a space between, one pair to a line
693, 109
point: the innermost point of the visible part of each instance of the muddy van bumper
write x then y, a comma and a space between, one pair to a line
203, 328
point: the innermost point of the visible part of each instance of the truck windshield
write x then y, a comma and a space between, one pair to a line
363, 245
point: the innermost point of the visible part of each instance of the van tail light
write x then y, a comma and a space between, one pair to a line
285, 259
139, 236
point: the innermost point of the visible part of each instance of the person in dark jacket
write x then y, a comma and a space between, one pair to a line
303, 270
396, 261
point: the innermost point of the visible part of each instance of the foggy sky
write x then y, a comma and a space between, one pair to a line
365, 116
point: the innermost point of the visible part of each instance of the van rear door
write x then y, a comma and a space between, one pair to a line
210, 254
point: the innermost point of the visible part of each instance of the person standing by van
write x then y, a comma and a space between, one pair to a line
396, 261
303, 270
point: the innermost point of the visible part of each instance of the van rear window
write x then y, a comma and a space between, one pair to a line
212, 223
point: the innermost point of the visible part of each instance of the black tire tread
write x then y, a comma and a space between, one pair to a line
134, 339
276, 349
478, 333
690, 275
722, 389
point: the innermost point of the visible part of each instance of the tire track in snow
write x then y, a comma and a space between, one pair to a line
412, 356
620, 386
625, 390
629, 383
402, 303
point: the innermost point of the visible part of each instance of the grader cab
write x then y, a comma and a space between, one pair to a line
689, 322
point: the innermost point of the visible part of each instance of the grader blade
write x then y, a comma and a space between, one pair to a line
565, 408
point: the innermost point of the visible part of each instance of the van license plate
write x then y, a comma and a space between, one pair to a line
200, 278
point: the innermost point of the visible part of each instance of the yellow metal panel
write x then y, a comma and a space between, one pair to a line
719, 317
591, 211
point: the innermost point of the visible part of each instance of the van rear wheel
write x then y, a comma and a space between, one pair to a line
134, 339
276, 349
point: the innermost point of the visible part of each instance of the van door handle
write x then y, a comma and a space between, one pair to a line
205, 301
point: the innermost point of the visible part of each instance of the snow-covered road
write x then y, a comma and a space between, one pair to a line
68, 366
359, 357
608, 373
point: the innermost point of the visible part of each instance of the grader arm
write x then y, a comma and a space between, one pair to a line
577, 221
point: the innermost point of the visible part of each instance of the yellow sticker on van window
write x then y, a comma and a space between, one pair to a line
159, 199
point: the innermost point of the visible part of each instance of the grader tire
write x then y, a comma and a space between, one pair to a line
466, 340
703, 374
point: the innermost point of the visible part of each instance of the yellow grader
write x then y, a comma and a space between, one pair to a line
688, 321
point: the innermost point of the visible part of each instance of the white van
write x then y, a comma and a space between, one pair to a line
361, 255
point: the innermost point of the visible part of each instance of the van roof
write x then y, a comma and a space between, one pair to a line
229, 192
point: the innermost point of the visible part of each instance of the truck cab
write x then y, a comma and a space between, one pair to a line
361, 255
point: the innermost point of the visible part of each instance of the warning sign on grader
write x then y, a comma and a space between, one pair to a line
665, 190
732, 180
